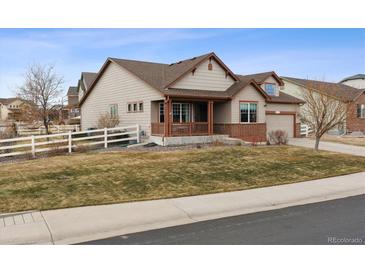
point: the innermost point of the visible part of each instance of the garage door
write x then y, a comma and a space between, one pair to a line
282, 122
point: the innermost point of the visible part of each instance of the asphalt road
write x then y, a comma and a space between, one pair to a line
332, 222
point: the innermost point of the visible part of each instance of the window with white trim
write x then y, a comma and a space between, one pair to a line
270, 89
248, 112
361, 111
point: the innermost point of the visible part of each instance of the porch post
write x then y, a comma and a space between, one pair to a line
167, 110
210, 117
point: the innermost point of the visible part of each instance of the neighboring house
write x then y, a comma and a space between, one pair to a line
355, 98
200, 96
356, 81
73, 106
86, 79
74, 95
10, 109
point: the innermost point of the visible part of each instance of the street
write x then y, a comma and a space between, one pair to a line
332, 222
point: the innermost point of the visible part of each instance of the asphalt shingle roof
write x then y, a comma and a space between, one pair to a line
340, 91
159, 76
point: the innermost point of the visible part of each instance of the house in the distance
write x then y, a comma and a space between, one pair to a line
190, 101
74, 95
355, 98
11, 109
356, 81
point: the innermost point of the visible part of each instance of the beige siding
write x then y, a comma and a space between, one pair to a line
222, 112
249, 93
356, 83
205, 79
271, 80
118, 86
293, 89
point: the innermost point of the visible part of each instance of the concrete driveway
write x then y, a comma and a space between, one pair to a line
329, 146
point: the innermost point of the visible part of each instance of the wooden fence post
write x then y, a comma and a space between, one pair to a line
69, 142
105, 137
33, 146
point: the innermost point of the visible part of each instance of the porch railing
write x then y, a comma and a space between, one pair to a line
190, 129
182, 129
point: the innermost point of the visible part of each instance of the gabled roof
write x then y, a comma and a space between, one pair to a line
72, 91
161, 76
340, 91
354, 77
157, 75
7, 101
88, 77
261, 77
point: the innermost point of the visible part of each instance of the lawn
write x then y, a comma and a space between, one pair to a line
113, 177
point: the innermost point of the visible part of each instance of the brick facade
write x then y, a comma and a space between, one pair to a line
255, 132
353, 123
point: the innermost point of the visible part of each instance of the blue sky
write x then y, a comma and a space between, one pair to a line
323, 54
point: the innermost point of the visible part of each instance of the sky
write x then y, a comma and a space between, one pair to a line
321, 54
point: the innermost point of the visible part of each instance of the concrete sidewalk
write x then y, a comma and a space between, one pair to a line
74, 225
329, 146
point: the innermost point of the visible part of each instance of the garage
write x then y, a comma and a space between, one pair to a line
280, 122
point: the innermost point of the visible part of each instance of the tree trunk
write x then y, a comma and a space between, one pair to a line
45, 123
317, 143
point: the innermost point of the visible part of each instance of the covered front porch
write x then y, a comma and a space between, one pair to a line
182, 117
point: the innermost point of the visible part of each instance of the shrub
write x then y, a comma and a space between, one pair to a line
278, 137
105, 121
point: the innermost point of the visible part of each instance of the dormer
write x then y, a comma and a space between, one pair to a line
272, 84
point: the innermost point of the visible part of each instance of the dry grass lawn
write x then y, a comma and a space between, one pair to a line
113, 177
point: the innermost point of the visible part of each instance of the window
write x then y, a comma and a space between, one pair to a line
129, 107
248, 112
161, 114
114, 111
270, 89
361, 111
135, 107
140, 106
181, 112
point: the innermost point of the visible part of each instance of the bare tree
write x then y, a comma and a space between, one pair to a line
321, 111
42, 87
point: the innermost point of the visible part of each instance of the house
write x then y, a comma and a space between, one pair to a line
74, 95
85, 82
10, 109
200, 96
356, 81
73, 106
355, 98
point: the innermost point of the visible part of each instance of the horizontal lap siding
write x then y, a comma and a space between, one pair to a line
119, 86
249, 93
205, 79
